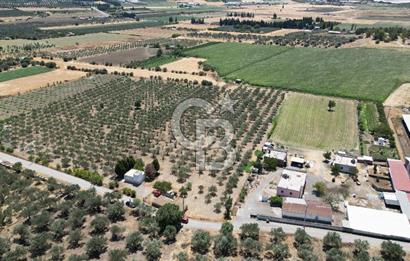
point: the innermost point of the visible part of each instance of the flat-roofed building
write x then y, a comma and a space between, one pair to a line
297, 162
134, 177
346, 164
280, 155
291, 184
378, 221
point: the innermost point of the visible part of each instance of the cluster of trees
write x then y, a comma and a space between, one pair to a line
240, 14
304, 39
88, 70
385, 34
304, 23
88, 175
197, 20
12, 62
51, 219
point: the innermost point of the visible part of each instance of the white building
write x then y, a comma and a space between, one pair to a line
378, 221
346, 164
280, 155
297, 162
390, 199
134, 177
291, 184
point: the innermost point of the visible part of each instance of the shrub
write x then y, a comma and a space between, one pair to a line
276, 201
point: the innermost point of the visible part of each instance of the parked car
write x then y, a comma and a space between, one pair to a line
170, 194
130, 204
157, 193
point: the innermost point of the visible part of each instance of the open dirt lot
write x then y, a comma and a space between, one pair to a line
26, 84
189, 65
400, 97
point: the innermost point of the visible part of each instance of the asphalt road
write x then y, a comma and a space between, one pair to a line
242, 217
58, 175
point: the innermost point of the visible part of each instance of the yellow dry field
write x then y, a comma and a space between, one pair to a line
29, 83
400, 97
189, 64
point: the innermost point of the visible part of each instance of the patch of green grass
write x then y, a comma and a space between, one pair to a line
23, 72
368, 116
156, 61
371, 116
304, 120
359, 73
230, 57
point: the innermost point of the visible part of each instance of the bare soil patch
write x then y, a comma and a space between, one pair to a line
189, 65
26, 84
400, 97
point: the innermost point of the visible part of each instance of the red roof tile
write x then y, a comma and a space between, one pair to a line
399, 176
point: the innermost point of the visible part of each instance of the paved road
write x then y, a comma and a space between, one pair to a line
242, 218
58, 175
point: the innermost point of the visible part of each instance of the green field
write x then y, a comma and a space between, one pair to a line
369, 118
304, 120
23, 72
359, 73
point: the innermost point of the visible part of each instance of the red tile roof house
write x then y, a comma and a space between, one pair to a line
309, 210
399, 175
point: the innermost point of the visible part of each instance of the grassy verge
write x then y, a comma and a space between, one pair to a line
23, 72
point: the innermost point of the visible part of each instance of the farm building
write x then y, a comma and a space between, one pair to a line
267, 147
134, 177
399, 176
390, 199
404, 203
346, 163
406, 121
313, 211
365, 160
291, 184
377, 221
297, 162
280, 155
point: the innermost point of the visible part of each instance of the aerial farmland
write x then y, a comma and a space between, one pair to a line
204, 130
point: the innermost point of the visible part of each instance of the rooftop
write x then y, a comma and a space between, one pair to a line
298, 160
378, 221
346, 161
398, 174
403, 199
312, 208
292, 179
134, 172
406, 119
277, 154
317, 208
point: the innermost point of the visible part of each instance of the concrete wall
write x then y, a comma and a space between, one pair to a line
283, 192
